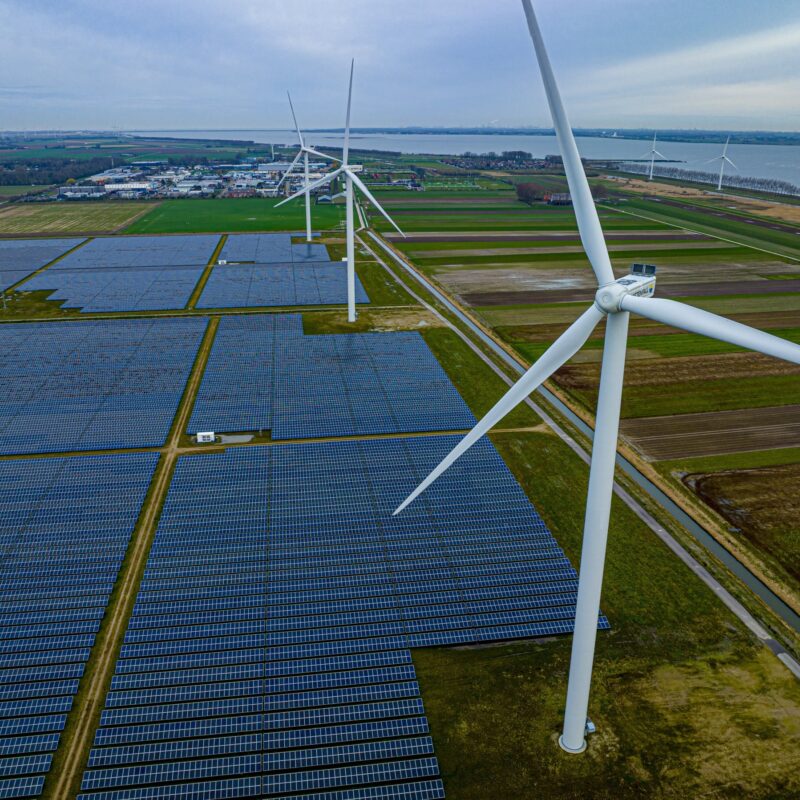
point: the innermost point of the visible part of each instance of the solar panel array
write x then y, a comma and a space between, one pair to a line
273, 285
93, 385
65, 524
131, 252
266, 269
237, 390
267, 654
270, 248
265, 374
20, 257
128, 273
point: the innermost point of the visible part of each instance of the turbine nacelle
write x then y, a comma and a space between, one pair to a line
638, 284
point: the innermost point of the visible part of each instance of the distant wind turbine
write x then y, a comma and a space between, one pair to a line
350, 172
653, 153
303, 152
723, 159
614, 301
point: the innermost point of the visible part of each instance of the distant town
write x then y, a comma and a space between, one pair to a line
249, 178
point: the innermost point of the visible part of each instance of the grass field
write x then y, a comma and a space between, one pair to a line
685, 703
17, 191
68, 217
234, 215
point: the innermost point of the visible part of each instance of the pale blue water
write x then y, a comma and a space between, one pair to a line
760, 161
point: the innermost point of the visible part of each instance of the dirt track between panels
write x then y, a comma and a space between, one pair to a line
718, 433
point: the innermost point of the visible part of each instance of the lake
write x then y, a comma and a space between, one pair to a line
755, 160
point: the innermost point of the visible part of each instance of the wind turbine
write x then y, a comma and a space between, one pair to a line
303, 152
653, 153
350, 172
614, 302
722, 160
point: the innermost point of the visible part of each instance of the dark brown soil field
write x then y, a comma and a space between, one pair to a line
666, 371
763, 504
708, 289
688, 435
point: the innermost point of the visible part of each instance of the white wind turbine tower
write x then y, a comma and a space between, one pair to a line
350, 172
653, 153
723, 159
303, 152
614, 301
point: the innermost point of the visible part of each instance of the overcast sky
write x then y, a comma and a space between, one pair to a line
131, 64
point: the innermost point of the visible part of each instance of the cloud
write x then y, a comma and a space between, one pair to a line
227, 63
750, 77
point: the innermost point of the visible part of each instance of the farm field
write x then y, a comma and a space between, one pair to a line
522, 271
68, 218
16, 191
233, 216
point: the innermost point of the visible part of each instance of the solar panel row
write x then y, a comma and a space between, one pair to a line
270, 727
278, 284
269, 270
93, 385
107, 290
264, 374
270, 248
21, 257
70, 567
128, 273
268, 651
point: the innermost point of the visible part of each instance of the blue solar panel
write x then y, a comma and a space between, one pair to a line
21, 257
270, 248
264, 374
111, 290
128, 273
99, 498
280, 597
275, 285
268, 270
92, 385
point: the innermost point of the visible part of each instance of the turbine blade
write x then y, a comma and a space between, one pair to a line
312, 152
286, 174
731, 163
660, 155
589, 226
311, 186
695, 320
368, 194
294, 117
346, 147
555, 356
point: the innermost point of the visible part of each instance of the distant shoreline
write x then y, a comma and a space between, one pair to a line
678, 135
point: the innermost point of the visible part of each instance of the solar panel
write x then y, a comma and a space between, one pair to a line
44, 654
274, 619
265, 374
20, 257
92, 385
128, 273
